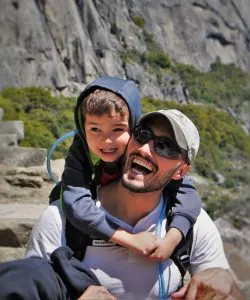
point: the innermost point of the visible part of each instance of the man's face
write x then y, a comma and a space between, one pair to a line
146, 171
107, 136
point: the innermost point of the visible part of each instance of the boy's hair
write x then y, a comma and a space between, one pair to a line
103, 102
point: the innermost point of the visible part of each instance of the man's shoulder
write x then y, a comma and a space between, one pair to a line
204, 224
203, 216
53, 213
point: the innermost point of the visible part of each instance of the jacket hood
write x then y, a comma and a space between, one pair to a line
127, 89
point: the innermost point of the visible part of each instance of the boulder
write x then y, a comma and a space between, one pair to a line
22, 156
1, 114
238, 238
16, 221
12, 127
8, 140
10, 253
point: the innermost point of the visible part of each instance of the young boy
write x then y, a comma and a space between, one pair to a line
105, 113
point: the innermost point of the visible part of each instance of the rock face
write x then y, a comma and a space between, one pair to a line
57, 43
64, 45
237, 245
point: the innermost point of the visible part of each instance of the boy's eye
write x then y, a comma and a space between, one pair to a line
119, 129
94, 129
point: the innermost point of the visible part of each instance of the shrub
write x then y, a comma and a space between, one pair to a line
45, 117
157, 59
223, 84
139, 21
131, 55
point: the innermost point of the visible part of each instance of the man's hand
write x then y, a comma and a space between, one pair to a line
213, 283
96, 292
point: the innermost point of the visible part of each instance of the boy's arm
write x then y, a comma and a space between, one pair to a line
188, 209
77, 203
80, 208
184, 216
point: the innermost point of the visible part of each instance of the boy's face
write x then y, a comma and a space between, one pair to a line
107, 136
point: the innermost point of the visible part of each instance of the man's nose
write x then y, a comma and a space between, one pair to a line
146, 149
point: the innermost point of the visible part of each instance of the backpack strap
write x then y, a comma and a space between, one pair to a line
76, 240
181, 255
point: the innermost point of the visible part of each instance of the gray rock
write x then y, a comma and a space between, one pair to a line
27, 185
66, 45
16, 221
25, 181
178, 94
12, 127
54, 43
10, 253
22, 156
219, 178
1, 114
239, 238
8, 140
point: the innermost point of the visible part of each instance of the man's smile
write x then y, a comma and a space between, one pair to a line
141, 166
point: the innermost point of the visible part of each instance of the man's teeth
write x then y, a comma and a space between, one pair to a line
143, 164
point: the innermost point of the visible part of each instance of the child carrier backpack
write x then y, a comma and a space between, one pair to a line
78, 241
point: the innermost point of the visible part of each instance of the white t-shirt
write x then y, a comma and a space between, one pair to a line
125, 274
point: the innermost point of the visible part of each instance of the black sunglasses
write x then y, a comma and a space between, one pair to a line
163, 146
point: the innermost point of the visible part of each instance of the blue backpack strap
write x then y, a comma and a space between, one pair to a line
51, 151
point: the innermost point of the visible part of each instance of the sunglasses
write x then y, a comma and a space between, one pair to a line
163, 146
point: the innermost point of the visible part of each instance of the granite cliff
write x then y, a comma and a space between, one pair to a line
64, 43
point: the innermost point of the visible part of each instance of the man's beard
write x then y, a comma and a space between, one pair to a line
152, 187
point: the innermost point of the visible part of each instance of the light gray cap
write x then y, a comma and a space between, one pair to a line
186, 133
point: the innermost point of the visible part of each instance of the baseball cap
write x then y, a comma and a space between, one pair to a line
185, 132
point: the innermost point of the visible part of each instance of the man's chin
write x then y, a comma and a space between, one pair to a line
132, 187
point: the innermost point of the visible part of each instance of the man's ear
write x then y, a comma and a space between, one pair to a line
181, 171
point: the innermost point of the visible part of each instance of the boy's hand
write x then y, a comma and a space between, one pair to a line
143, 243
166, 246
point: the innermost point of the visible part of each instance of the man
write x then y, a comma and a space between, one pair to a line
161, 148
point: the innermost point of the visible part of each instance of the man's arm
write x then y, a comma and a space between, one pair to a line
207, 248
213, 283
209, 267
